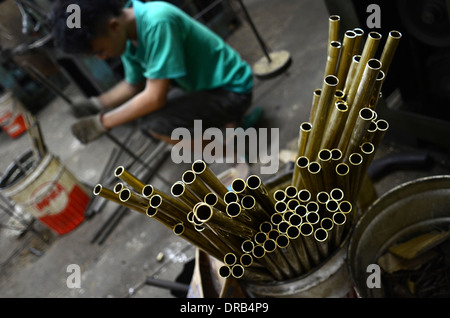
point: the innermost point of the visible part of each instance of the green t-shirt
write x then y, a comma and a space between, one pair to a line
174, 46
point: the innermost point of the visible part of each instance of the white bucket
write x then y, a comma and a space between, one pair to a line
51, 194
12, 120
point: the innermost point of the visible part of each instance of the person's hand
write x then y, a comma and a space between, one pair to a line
88, 129
86, 106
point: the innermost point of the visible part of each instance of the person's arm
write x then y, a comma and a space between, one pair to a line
119, 94
150, 99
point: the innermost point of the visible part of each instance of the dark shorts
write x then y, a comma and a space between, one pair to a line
214, 107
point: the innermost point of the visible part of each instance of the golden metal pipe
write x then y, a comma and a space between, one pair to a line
295, 219
237, 271
303, 178
334, 50
342, 177
209, 178
176, 212
326, 98
315, 101
280, 207
230, 259
195, 184
361, 98
355, 175
238, 185
126, 195
279, 195
346, 57
265, 226
216, 219
354, 64
179, 190
345, 207
369, 50
258, 190
376, 94
129, 178
284, 244
291, 192
224, 271
389, 50
294, 235
305, 129
358, 40
327, 165
307, 236
333, 27
304, 195
321, 237
278, 258
253, 208
213, 200
118, 187
247, 246
337, 194
150, 190
292, 204
259, 253
382, 128
110, 195
332, 206
230, 197
190, 235
339, 220
335, 124
315, 177
161, 217
359, 132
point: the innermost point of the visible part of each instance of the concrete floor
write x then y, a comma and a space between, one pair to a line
119, 266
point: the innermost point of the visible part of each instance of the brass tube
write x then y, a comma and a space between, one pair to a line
260, 237
359, 131
292, 204
312, 206
209, 178
307, 235
322, 197
315, 177
247, 246
354, 64
325, 161
161, 217
157, 202
358, 40
230, 259
254, 209
369, 50
258, 190
295, 219
214, 218
362, 96
302, 164
315, 101
265, 227
129, 178
389, 50
126, 195
332, 206
237, 271
284, 244
276, 218
305, 129
150, 190
376, 94
179, 190
355, 175
280, 207
213, 200
230, 197
279, 195
294, 235
382, 128
259, 253
238, 186
342, 181
273, 234
118, 187
110, 195
321, 236
333, 27
304, 195
291, 192
199, 241
339, 220
335, 124
346, 57
224, 271
278, 258
282, 226
194, 183
315, 138
313, 218
334, 50
345, 207
337, 194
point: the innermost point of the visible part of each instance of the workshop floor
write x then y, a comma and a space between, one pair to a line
119, 265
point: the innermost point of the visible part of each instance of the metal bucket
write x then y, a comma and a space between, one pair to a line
407, 210
47, 191
330, 279
12, 120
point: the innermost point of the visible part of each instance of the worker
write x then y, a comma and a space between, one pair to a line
161, 47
